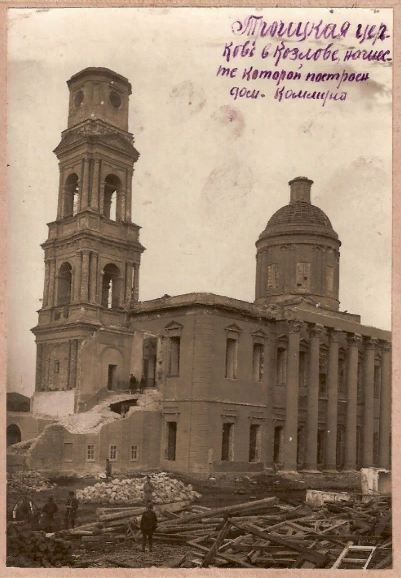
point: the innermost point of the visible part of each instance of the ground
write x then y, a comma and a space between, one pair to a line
223, 491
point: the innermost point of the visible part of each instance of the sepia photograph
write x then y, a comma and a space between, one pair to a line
199, 240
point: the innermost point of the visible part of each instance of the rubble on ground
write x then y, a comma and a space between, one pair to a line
166, 489
33, 549
28, 481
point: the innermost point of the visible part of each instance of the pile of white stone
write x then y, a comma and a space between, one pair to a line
166, 489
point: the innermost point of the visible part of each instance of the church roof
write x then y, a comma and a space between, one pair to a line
299, 216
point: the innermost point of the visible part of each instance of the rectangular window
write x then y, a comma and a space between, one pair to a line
322, 384
281, 366
303, 369
342, 385
134, 453
278, 444
377, 380
258, 361
303, 276
113, 452
227, 449
111, 376
329, 278
171, 440
67, 452
56, 366
90, 453
231, 358
321, 447
272, 276
174, 359
254, 443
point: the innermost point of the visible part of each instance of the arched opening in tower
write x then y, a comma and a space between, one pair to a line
71, 196
110, 286
64, 284
13, 434
112, 188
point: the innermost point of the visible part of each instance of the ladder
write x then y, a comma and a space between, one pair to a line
355, 557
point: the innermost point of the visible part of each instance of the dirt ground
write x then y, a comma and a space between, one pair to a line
223, 491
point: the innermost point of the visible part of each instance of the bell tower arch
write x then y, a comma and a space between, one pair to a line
93, 252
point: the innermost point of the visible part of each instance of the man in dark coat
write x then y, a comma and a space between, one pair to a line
148, 526
49, 509
133, 383
71, 508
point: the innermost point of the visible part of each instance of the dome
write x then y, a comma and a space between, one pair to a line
300, 214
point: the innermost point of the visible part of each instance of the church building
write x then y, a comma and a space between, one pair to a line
287, 381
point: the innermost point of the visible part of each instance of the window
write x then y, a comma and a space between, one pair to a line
360, 382
134, 453
111, 376
278, 444
254, 443
71, 196
340, 450
377, 380
111, 286
227, 450
321, 446
231, 358
56, 366
376, 448
342, 385
67, 452
64, 284
303, 276
323, 375
329, 278
174, 359
272, 276
171, 440
258, 361
90, 453
281, 366
303, 369
112, 188
113, 452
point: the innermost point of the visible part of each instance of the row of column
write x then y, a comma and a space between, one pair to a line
292, 395
92, 190
85, 283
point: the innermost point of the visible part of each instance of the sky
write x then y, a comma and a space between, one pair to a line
212, 170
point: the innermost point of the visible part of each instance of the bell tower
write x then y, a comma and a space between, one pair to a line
92, 254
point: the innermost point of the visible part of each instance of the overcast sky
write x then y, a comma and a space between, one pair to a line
212, 170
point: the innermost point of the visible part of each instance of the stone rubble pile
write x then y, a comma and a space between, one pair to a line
28, 481
166, 489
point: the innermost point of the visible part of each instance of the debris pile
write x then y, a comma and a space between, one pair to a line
34, 549
28, 481
166, 489
270, 534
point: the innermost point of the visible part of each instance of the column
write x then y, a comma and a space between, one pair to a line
46, 286
77, 277
313, 399
60, 195
39, 366
332, 404
52, 282
121, 285
85, 184
135, 287
291, 403
95, 185
85, 275
269, 379
101, 198
93, 277
385, 408
72, 368
368, 408
128, 282
352, 384
128, 188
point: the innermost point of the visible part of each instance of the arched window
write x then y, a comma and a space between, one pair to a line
71, 195
64, 284
13, 434
110, 286
112, 187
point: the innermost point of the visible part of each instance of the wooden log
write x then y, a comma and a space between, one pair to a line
131, 512
208, 559
224, 557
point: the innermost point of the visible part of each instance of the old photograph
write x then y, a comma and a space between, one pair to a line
199, 288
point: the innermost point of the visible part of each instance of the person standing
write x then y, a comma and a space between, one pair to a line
147, 491
142, 384
148, 526
71, 508
133, 383
49, 510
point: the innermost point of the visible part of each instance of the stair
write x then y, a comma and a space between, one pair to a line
355, 557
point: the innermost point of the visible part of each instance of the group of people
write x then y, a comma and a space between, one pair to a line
43, 518
135, 386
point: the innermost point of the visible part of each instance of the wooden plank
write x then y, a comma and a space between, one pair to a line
208, 559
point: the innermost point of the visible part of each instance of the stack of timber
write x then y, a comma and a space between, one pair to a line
33, 549
267, 534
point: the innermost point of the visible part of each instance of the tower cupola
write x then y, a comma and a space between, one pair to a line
298, 253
